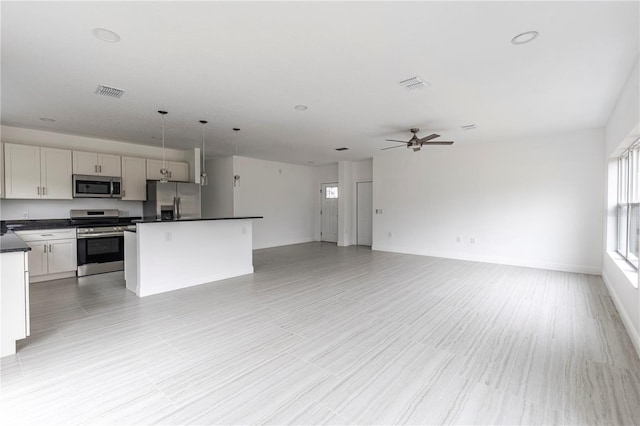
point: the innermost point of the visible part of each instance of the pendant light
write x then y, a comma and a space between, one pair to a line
164, 173
203, 173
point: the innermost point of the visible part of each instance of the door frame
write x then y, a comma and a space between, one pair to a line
357, 227
321, 197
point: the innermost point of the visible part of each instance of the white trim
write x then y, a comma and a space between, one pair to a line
565, 267
625, 267
628, 324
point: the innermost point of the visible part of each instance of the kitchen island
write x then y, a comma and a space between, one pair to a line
163, 256
14, 292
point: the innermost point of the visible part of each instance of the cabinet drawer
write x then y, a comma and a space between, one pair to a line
46, 234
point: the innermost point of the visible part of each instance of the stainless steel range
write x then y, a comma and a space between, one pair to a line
100, 241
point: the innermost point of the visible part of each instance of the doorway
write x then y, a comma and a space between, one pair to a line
329, 212
364, 213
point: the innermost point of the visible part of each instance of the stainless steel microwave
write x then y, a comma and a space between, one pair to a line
96, 187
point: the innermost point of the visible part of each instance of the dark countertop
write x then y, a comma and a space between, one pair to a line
27, 225
154, 220
11, 242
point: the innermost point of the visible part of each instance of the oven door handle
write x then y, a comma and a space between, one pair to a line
101, 235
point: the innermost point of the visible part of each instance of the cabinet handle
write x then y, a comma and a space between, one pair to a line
124, 193
45, 248
169, 173
100, 168
38, 190
44, 190
50, 248
95, 168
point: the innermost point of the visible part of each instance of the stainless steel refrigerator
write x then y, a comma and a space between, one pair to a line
172, 201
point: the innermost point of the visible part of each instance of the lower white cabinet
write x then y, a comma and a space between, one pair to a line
14, 300
53, 253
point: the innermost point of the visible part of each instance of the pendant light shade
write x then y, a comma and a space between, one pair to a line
164, 173
204, 180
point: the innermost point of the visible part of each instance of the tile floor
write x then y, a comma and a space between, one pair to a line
328, 335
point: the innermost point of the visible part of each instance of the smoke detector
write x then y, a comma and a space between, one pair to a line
109, 91
414, 83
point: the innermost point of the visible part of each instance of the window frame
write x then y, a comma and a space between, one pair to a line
629, 200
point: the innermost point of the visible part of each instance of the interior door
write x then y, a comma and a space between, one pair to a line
364, 206
329, 212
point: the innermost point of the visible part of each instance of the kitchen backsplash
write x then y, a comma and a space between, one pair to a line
59, 209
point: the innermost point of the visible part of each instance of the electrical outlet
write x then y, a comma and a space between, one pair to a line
25, 215
472, 240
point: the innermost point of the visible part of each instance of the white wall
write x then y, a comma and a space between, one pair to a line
534, 202
84, 143
621, 130
282, 193
59, 209
217, 196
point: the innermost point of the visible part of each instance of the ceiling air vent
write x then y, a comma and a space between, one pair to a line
109, 91
469, 127
413, 83
344, 148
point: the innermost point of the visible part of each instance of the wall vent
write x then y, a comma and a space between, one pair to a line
109, 91
344, 148
414, 83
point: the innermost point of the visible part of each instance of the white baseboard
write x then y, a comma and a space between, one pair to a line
580, 269
628, 324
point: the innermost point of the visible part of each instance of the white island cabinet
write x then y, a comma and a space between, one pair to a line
14, 293
166, 256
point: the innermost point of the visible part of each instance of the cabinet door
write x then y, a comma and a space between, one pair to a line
22, 171
62, 256
38, 258
55, 173
153, 169
178, 171
109, 165
85, 163
134, 179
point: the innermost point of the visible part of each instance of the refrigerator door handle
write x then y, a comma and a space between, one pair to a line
175, 208
179, 209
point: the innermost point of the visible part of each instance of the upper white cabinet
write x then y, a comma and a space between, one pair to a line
134, 179
94, 164
178, 171
34, 172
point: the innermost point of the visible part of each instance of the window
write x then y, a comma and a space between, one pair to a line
331, 192
629, 203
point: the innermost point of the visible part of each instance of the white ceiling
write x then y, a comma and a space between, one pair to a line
246, 65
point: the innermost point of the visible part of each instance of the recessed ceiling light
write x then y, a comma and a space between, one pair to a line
469, 127
301, 107
106, 35
47, 119
311, 162
524, 37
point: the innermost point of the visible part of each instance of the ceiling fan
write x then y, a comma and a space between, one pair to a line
416, 143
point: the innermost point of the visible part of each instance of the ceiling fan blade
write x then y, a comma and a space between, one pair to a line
438, 143
394, 140
391, 147
428, 138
